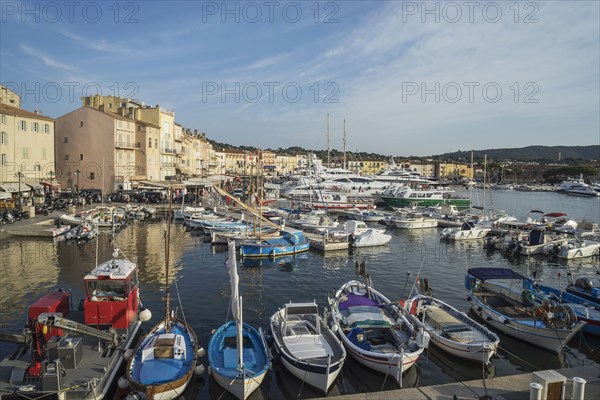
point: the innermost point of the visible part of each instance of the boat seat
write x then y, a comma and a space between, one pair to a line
230, 358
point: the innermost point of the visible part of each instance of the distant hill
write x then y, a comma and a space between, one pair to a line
545, 154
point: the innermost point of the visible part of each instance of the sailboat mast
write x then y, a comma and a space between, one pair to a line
167, 246
344, 143
328, 139
484, 178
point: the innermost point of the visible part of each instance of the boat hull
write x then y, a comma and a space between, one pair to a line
549, 339
407, 202
404, 224
226, 373
169, 389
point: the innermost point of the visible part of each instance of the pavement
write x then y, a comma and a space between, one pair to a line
512, 387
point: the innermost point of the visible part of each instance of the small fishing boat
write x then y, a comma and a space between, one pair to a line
238, 353
509, 310
291, 241
76, 353
451, 330
414, 220
375, 332
164, 360
307, 347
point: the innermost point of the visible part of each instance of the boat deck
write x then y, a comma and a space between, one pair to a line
83, 361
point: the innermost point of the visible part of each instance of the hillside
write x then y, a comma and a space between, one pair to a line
530, 153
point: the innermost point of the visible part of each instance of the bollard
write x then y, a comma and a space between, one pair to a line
578, 388
535, 392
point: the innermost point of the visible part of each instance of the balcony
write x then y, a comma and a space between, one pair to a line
168, 164
168, 151
125, 145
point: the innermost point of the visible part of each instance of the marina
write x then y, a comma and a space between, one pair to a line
202, 287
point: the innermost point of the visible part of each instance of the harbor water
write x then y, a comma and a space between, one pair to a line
201, 291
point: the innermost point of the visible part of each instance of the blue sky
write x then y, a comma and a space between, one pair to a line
410, 78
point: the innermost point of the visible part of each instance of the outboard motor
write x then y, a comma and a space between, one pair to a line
584, 283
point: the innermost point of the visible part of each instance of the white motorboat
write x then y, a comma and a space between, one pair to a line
468, 231
415, 221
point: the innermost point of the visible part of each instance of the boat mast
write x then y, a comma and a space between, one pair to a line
328, 139
167, 245
484, 178
344, 143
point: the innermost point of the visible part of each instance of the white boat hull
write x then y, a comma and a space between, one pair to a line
240, 388
405, 224
320, 381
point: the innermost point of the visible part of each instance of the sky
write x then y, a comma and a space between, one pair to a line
409, 78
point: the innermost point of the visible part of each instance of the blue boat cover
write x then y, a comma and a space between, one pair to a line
494, 273
160, 370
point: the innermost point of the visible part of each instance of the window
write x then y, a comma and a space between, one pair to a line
46, 128
81, 124
3, 159
36, 127
167, 128
22, 125
92, 175
44, 153
66, 157
156, 143
3, 119
150, 143
3, 138
37, 167
66, 140
81, 156
109, 105
25, 153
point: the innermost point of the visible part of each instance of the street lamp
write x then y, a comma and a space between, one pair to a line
77, 172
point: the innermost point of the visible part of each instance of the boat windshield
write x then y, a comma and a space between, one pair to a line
106, 288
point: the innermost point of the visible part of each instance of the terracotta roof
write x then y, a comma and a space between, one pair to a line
6, 109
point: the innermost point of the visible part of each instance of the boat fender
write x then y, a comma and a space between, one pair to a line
488, 318
123, 383
145, 314
128, 354
334, 328
469, 298
479, 309
199, 370
132, 396
423, 339
201, 352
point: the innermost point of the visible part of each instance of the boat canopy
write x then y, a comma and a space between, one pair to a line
494, 273
555, 215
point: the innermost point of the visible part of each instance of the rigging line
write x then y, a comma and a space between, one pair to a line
516, 356
231, 383
179, 300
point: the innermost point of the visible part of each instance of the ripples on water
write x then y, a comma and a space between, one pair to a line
32, 267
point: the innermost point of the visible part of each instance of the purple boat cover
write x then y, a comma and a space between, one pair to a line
356, 300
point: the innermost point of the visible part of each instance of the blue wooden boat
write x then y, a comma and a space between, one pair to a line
585, 310
164, 361
238, 353
290, 242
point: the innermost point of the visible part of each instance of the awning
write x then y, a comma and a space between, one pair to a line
175, 185
5, 196
35, 186
495, 273
14, 187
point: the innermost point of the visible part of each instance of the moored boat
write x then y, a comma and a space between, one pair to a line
374, 331
164, 361
77, 353
238, 353
424, 195
451, 330
548, 326
307, 347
